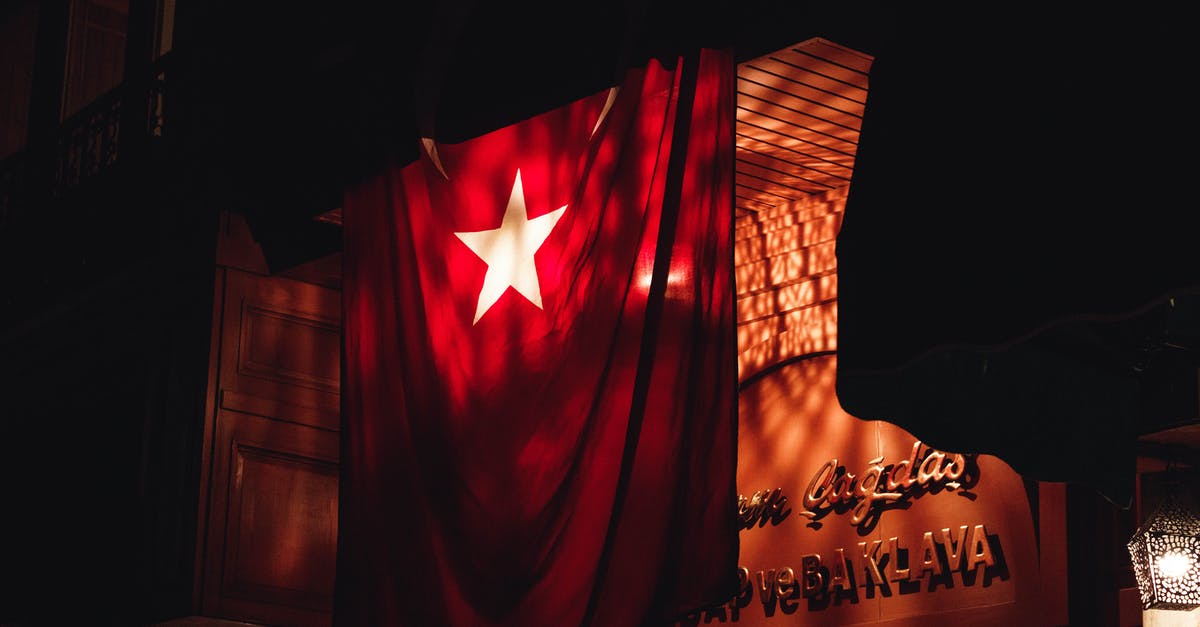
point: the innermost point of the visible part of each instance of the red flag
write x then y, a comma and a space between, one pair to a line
540, 401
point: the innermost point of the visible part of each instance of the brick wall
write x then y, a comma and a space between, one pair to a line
786, 272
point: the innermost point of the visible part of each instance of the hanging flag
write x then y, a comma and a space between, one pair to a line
539, 414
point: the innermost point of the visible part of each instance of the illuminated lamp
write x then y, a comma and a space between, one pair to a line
1166, 554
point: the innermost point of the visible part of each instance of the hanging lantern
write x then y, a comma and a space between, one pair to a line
1166, 555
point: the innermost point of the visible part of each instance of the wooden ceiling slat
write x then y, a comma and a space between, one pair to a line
802, 58
806, 84
836, 53
772, 131
820, 111
781, 134
796, 128
765, 100
784, 153
792, 169
799, 112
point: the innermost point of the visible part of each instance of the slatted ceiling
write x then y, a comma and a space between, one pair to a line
811, 176
821, 72
821, 172
819, 89
778, 177
786, 154
799, 112
793, 138
858, 63
784, 77
819, 77
835, 134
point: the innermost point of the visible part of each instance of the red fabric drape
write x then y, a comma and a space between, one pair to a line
570, 461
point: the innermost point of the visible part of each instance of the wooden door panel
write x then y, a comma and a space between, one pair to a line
280, 347
271, 539
282, 528
288, 349
274, 529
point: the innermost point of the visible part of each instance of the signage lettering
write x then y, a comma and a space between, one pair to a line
833, 487
965, 550
762, 507
814, 580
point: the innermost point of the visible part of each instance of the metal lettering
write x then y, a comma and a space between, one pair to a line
745, 590
905, 479
766, 586
812, 581
929, 558
868, 561
837, 571
955, 469
761, 507
931, 468
955, 546
981, 550
880, 484
785, 580
818, 488
898, 574
842, 489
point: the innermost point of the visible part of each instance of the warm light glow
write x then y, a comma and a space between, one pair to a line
1165, 555
508, 251
1174, 564
645, 279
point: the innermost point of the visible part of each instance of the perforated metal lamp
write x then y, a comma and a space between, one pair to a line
1166, 555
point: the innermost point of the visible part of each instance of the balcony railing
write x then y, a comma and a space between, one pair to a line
88, 142
86, 146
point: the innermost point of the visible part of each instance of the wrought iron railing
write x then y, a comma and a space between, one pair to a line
87, 145
90, 141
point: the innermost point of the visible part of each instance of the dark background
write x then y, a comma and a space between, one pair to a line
1022, 200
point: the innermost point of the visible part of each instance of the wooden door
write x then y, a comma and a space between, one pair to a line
271, 520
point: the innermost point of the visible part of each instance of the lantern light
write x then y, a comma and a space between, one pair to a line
1166, 554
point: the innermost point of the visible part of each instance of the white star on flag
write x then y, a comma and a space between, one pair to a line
508, 251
